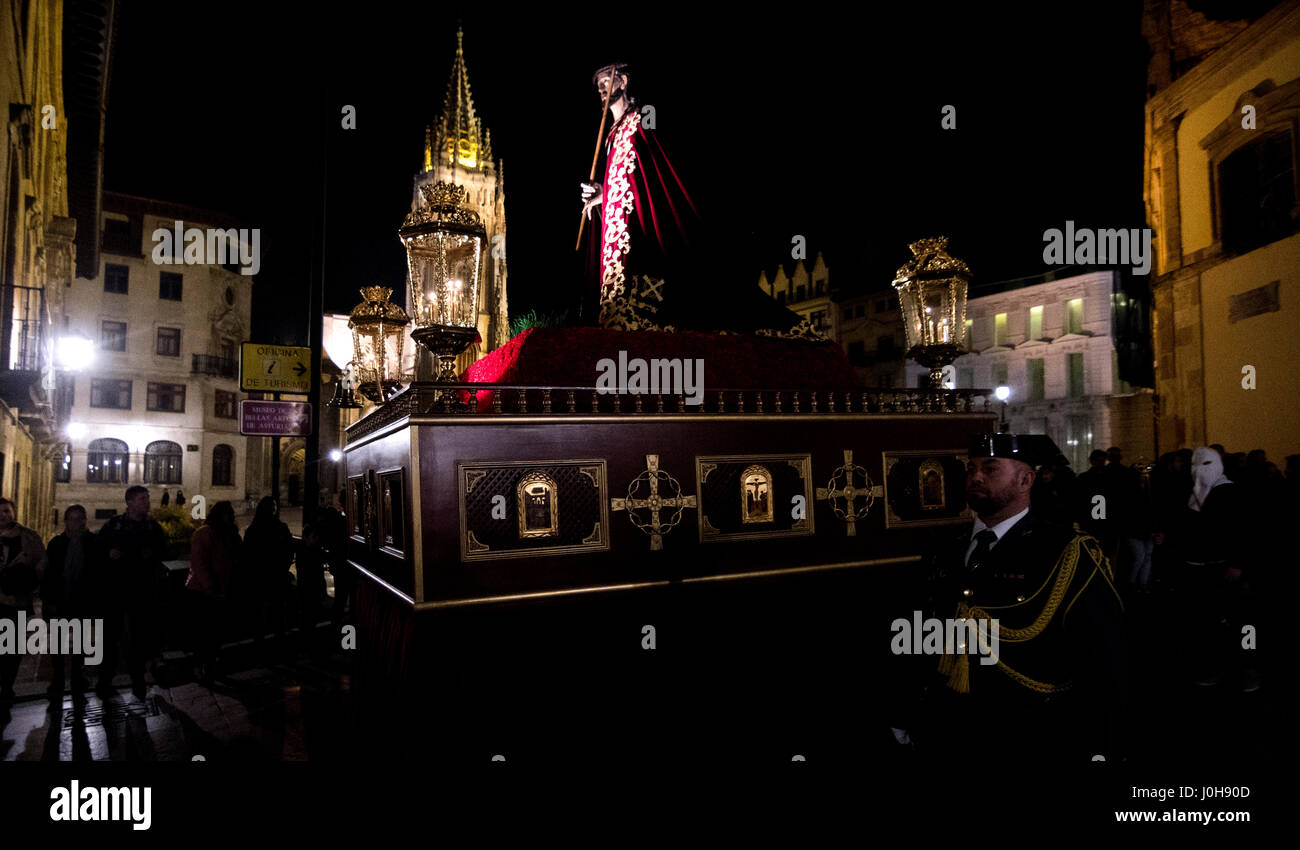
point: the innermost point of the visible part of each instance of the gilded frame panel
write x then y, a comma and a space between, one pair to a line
802, 463
470, 473
926, 489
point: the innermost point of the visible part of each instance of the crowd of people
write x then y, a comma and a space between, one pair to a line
238, 586
1204, 525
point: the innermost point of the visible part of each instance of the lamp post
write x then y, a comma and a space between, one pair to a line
444, 247
377, 339
932, 294
1003, 393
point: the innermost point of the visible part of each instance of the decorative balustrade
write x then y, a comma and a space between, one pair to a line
489, 400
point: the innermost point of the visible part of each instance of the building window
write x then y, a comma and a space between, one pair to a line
857, 352
1074, 362
162, 463
1000, 375
818, 319
117, 236
169, 286
1074, 316
965, 379
168, 398
848, 313
800, 293
112, 336
860, 311
821, 287
63, 464
882, 305
1035, 322
109, 392
1036, 382
107, 461
223, 461
225, 406
885, 345
115, 278
1000, 329
1257, 194
169, 342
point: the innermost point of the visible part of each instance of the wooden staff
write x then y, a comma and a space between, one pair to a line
600, 138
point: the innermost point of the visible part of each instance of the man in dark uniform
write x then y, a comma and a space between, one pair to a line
1050, 687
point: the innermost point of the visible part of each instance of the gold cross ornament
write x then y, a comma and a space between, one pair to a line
653, 476
846, 490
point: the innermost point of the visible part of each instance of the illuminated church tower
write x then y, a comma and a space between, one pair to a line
457, 149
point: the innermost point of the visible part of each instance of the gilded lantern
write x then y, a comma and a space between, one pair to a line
932, 294
377, 339
444, 248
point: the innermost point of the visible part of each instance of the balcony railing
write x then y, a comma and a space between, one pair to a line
207, 364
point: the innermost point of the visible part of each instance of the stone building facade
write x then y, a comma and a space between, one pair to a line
1222, 193
156, 399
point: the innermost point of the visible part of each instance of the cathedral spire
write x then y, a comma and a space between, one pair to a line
460, 133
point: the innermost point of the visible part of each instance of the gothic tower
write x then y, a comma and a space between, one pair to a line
458, 149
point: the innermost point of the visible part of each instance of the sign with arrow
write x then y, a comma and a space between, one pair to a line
275, 368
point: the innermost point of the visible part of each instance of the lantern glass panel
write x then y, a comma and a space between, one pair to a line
444, 268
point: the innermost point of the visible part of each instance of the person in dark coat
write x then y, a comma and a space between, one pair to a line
268, 547
332, 527
130, 550
215, 550
68, 590
1050, 684
311, 579
22, 566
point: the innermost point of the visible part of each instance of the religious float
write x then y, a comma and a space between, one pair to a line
526, 530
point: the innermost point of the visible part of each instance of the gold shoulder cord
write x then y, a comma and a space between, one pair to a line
957, 665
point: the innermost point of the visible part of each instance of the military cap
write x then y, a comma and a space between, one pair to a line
1034, 449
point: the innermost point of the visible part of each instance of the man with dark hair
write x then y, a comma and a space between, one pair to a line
22, 565
1048, 684
67, 590
131, 548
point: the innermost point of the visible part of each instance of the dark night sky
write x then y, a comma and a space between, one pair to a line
786, 124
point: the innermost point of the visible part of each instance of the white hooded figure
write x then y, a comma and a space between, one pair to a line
1207, 473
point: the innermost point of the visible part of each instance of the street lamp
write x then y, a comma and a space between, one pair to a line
1003, 393
444, 246
345, 396
377, 339
932, 294
74, 352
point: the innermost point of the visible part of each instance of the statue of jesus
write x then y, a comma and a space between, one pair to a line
646, 246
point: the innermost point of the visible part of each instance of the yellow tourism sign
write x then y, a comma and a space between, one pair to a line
274, 368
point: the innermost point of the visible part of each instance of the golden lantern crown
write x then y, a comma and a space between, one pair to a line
446, 207
375, 307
